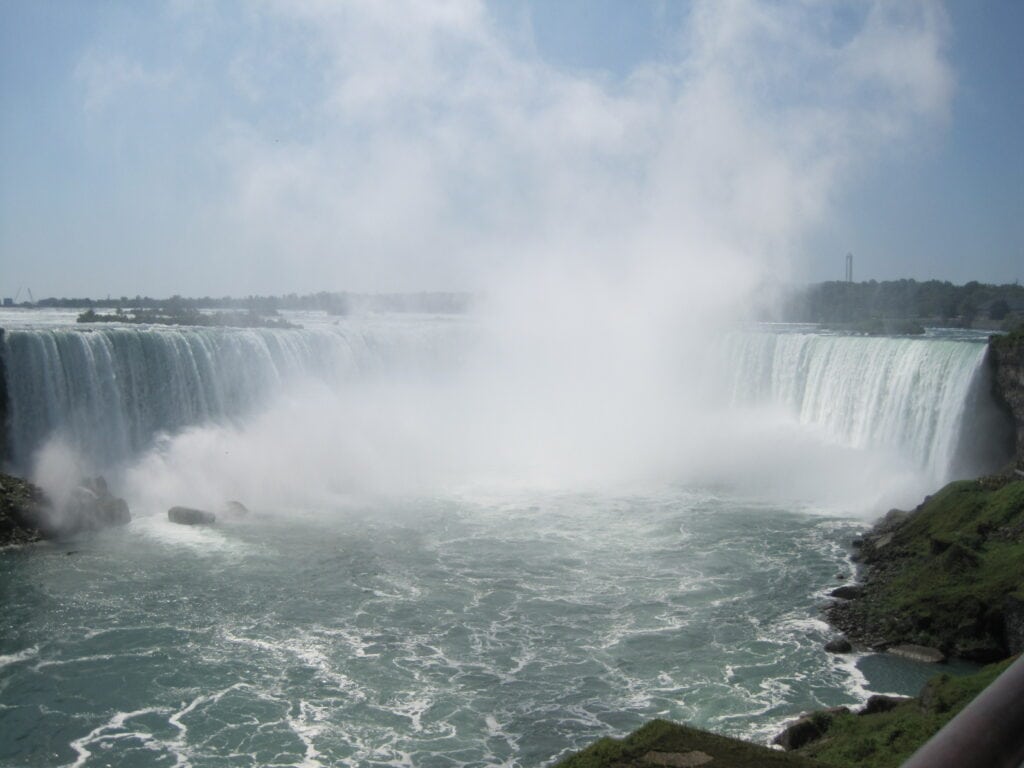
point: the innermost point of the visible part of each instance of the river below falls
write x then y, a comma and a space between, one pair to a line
442, 631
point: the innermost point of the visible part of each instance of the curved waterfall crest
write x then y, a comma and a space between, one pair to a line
108, 392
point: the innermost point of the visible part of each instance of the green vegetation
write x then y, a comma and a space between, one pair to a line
665, 739
1007, 340
885, 739
941, 576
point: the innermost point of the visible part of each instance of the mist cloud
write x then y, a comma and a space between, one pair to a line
608, 221
422, 147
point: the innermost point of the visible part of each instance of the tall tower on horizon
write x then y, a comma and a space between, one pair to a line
849, 267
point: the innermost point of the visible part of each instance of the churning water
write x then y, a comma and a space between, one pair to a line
442, 626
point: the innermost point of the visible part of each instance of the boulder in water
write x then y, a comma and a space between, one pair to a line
234, 510
190, 516
90, 507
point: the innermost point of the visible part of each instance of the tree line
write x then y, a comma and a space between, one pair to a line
933, 301
331, 302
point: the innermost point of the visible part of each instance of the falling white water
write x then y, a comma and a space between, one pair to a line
907, 395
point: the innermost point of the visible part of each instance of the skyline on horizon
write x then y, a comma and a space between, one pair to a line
268, 149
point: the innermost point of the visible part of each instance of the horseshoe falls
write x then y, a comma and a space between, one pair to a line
909, 396
403, 592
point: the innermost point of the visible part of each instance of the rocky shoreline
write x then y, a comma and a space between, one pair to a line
946, 578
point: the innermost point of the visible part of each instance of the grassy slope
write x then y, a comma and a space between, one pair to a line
950, 567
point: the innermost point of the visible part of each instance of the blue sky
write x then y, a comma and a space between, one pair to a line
236, 148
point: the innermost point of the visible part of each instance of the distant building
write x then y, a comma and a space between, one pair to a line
8, 301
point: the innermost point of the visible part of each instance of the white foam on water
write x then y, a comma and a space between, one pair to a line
112, 731
25, 654
201, 539
308, 726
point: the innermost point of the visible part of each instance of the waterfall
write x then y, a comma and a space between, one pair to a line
109, 391
906, 395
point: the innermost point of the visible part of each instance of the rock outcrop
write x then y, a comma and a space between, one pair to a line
27, 514
1006, 358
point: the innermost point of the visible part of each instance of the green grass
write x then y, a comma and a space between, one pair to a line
957, 559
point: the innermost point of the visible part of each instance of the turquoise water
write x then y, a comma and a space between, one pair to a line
430, 633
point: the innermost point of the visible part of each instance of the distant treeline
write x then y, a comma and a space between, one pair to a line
333, 303
932, 301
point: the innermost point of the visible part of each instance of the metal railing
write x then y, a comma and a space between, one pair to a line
987, 733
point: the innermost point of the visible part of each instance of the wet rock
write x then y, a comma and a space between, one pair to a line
847, 592
190, 516
839, 645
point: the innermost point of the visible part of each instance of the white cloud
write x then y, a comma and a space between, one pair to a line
108, 77
372, 145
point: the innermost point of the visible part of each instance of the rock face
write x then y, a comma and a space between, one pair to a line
22, 507
1006, 358
190, 516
